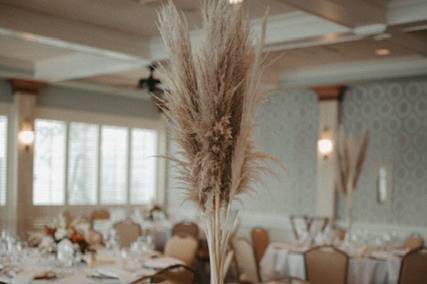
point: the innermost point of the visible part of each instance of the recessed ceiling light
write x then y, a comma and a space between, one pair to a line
382, 52
235, 1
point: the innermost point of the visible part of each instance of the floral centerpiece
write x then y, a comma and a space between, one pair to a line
211, 103
62, 229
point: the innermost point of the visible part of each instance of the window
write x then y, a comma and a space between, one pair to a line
88, 164
114, 165
143, 165
49, 159
3, 159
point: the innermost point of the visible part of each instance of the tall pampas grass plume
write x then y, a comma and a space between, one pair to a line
213, 92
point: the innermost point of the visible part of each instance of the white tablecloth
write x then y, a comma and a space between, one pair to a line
281, 262
81, 273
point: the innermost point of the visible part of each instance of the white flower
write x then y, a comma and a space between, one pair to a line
47, 244
60, 234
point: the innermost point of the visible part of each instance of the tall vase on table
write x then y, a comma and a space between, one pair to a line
210, 102
351, 156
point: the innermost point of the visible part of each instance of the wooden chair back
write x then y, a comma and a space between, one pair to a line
414, 267
326, 265
260, 241
186, 229
175, 274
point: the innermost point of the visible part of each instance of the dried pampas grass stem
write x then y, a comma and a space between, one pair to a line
211, 102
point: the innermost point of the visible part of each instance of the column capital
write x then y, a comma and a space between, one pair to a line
329, 92
27, 86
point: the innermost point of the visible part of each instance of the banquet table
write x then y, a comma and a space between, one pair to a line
103, 272
283, 260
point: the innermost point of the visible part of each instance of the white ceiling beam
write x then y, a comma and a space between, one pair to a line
64, 33
80, 65
281, 29
350, 13
356, 71
8, 72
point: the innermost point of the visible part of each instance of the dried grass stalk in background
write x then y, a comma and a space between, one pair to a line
351, 156
211, 103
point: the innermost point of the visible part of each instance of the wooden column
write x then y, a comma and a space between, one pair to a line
329, 103
23, 113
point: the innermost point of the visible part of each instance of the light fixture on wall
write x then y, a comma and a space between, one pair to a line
325, 145
235, 1
382, 51
26, 134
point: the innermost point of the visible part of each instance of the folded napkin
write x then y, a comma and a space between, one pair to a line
162, 262
125, 277
383, 255
294, 247
4, 279
28, 276
400, 252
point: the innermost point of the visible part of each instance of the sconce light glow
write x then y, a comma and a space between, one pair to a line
325, 147
235, 1
26, 137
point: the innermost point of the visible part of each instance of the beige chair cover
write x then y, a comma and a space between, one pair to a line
245, 260
326, 265
127, 232
183, 248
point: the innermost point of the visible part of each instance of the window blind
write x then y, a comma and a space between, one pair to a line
3, 159
49, 162
143, 166
114, 165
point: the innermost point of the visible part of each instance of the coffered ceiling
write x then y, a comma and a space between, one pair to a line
108, 43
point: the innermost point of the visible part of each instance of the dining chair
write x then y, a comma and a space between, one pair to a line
186, 228
175, 274
101, 214
413, 268
414, 242
247, 269
326, 265
183, 248
127, 232
245, 261
260, 241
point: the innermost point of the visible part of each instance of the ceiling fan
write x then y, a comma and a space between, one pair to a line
153, 86
150, 83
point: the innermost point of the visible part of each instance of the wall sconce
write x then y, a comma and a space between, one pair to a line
325, 145
26, 135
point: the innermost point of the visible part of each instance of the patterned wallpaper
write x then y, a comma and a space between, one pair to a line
287, 128
395, 113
